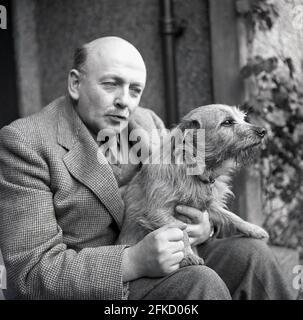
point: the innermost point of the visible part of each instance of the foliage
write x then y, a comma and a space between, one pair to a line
277, 100
259, 14
276, 97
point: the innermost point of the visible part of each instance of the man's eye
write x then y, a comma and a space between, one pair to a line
227, 123
136, 91
109, 84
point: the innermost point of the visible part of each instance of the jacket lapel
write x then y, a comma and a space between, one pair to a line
85, 163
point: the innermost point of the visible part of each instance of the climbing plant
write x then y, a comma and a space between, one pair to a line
276, 100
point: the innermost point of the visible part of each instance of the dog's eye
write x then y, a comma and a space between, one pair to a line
227, 123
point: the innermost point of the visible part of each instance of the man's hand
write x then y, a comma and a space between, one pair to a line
199, 228
158, 254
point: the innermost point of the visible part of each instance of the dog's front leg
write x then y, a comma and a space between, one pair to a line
161, 217
230, 219
191, 258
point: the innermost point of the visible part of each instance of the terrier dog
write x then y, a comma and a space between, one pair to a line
154, 192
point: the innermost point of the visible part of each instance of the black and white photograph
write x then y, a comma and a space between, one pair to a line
151, 150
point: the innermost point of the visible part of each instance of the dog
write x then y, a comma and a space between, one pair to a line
152, 195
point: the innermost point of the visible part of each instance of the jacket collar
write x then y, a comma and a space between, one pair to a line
85, 161
69, 123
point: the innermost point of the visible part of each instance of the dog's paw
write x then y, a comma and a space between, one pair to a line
191, 260
257, 233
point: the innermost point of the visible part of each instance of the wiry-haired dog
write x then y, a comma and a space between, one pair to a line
155, 191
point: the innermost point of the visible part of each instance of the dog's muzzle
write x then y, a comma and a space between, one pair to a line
261, 132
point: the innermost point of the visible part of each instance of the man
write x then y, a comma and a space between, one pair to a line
61, 210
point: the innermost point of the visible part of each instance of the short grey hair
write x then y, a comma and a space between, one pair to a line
80, 56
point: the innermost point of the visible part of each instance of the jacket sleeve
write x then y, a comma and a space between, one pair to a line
147, 119
39, 265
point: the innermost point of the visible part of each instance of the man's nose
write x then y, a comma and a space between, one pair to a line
121, 100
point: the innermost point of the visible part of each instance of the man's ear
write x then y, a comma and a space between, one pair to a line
73, 84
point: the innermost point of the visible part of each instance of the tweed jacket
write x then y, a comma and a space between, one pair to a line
60, 209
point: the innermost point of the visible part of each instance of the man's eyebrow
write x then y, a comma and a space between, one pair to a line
137, 84
120, 79
109, 75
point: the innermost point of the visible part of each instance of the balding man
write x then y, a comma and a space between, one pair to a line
61, 209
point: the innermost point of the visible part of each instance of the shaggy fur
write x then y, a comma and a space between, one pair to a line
155, 191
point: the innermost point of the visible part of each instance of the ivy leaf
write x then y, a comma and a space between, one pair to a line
246, 71
277, 118
280, 96
291, 66
270, 64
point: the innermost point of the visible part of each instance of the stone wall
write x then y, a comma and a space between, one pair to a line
283, 42
286, 36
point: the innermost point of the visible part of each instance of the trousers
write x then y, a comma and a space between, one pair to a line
235, 268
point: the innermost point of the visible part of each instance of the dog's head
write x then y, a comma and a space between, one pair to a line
227, 135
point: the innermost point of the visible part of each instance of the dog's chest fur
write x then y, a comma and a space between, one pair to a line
155, 191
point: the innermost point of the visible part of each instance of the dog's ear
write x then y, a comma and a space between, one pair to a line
189, 124
184, 140
246, 108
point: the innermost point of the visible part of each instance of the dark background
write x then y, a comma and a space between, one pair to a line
8, 89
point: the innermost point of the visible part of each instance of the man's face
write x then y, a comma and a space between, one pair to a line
110, 89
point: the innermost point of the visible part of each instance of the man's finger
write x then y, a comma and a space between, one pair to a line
174, 267
176, 224
194, 214
174, 234
176, 258
183, 218
171, 232
177, 246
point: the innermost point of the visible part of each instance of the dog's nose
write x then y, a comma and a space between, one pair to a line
261, 132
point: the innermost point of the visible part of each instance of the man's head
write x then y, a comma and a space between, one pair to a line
106, 83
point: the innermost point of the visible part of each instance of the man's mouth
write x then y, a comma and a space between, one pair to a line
118, 117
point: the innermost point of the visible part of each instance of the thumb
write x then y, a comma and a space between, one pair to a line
176, 224
205, 219
205, 216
